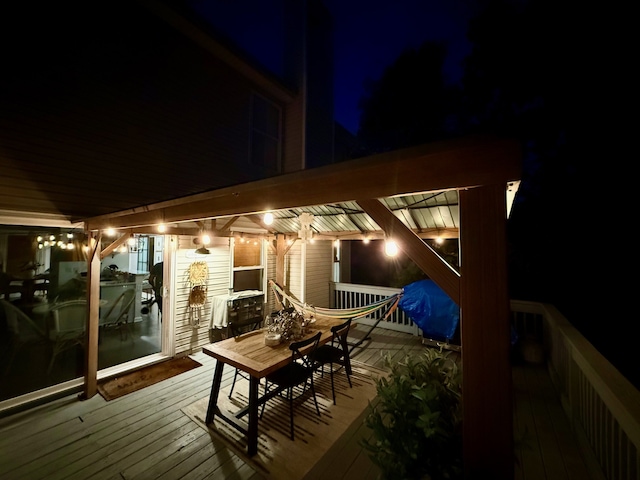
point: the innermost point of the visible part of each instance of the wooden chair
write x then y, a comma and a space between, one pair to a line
236, 329
297, 372
118, 314
335, 353
69, 321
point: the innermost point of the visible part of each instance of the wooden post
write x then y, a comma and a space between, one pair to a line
485, 334
93, 323
281, 248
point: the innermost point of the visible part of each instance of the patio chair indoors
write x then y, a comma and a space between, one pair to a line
21, 330
335, 353
297, 372
117, 315
69, 321
236, 329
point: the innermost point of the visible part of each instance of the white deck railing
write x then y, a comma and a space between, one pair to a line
602, 405
350, 295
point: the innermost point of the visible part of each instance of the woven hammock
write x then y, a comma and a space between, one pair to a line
336, 313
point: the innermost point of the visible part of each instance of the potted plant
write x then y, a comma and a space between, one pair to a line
416, 422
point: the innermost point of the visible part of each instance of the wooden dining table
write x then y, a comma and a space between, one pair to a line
249, 353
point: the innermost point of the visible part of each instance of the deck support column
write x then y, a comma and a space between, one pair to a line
93, 318
488, 448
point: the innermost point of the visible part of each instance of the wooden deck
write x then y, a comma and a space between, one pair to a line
145, 435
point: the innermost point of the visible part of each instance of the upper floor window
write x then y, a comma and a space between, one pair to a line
265, 135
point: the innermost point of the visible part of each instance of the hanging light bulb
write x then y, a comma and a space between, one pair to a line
390, 248
162, 228
268, 218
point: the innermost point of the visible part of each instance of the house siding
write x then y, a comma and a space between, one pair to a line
318, 273
187, 338
133, 108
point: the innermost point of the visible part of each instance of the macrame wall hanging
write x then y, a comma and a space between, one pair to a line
198, 275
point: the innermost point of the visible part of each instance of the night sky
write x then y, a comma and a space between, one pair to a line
368, 37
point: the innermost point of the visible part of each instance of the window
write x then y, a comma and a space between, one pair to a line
248, 266
265, 135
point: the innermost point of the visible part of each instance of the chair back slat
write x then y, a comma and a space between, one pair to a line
70, 316
300, 350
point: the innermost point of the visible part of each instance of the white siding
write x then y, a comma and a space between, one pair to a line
270, 274
293, 269
318, 273
187, 338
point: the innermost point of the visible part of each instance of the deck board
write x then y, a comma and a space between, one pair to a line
145, 435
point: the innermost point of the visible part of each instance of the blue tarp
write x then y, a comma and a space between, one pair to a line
431, 309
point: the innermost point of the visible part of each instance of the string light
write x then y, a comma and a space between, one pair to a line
390, 248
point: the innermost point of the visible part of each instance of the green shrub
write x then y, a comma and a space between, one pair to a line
416, 423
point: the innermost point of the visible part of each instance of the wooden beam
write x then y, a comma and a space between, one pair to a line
116, 243
423, 256
485, 334
433, 167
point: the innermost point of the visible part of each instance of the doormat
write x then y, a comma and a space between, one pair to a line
278, 456
131, 382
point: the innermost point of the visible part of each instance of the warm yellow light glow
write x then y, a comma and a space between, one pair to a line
365, 240
69, 235
336, 243
206, 240
390, 248
110, 231
439, 240
52, 238
39, 238
40, 246
131, 241
70, 246
268, 218
162, 228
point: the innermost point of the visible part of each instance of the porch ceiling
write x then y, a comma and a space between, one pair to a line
419, 185
429, 215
